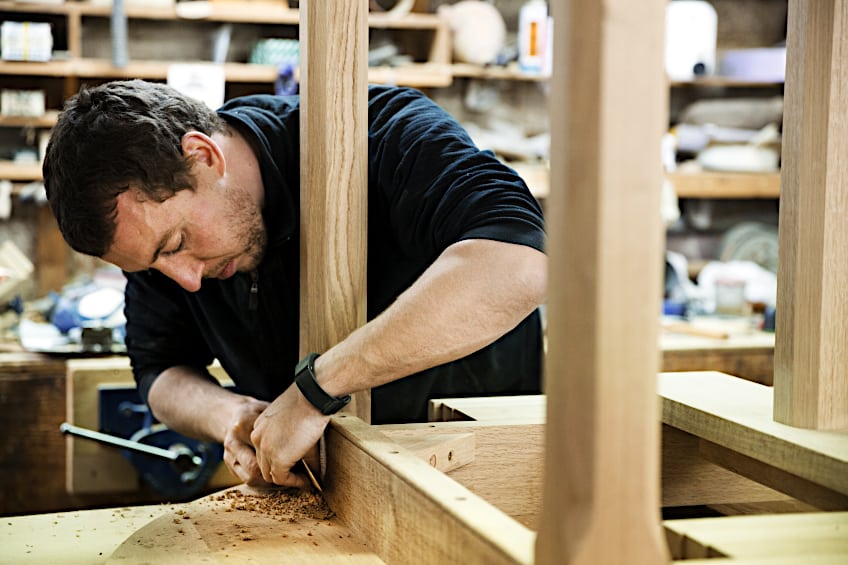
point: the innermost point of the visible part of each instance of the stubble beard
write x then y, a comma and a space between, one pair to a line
257, 242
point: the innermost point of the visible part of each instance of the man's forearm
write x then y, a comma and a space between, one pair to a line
189, 403
476, 291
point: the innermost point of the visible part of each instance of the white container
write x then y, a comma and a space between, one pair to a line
690, 39
533, 36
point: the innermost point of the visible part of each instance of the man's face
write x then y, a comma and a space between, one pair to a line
211, 232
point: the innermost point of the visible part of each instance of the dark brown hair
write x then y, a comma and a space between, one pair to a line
112, 137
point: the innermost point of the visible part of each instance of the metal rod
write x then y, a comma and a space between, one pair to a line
67, 428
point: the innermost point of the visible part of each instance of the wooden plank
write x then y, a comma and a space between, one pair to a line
819, 497
334, 176
737, 414
408, 512
528, 408
811, 390
688, 479
445, 452
510, 444
787, 538
602, 356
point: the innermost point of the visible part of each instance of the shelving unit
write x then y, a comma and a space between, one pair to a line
433, 72
725, 185
63, 75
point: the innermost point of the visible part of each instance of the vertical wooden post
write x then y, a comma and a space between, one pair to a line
334, 175
811, 345
608, 112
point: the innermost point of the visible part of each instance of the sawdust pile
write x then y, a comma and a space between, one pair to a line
284, 504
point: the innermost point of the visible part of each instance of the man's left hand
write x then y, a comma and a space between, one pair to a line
286, 432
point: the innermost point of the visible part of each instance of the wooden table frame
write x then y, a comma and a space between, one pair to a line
602, 365
601, 374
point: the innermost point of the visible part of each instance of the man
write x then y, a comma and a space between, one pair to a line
200, 209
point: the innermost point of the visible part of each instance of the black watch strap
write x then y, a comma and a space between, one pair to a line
304, 378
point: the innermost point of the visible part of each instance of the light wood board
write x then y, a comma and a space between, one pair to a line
211, 530
84, 537
737, 414
795, 538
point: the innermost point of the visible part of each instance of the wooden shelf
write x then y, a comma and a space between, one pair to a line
726, 185
20, 172
723, 82
434, 73
500, 73
417, 74
257, 12
48, 120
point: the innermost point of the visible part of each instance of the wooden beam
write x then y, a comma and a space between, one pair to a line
408, 512
601, 494
811, 354
333, 175
737, 414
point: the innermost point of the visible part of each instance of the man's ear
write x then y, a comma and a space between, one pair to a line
202, 149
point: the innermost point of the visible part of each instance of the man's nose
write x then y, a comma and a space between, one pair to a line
185, 271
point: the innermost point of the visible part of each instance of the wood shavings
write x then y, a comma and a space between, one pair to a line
284, 504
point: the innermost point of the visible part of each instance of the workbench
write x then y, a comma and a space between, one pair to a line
505, 469
33, 392
89, 537
33, 389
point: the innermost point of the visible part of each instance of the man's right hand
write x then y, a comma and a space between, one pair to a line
239, 454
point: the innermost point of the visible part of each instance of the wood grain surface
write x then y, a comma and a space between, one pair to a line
245, 525
605, 246
810, 356
334, 176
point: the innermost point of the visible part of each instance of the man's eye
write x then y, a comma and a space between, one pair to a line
177, 249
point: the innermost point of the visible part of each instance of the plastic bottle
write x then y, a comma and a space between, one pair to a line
533, 36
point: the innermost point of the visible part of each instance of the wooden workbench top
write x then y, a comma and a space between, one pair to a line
239, 525
85, 537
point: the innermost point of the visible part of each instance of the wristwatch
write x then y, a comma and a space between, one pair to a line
304, 378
